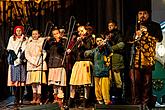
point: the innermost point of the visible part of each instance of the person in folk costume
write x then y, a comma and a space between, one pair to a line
57, 73
91, 34
81, 75
101, 71
114, 38
143, 37
36, 65
17, 69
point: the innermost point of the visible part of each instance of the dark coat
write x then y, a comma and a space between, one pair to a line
56, 53
117, 44
79, 50
153, 29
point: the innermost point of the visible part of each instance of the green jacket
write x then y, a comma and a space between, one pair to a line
118, 47
100, 67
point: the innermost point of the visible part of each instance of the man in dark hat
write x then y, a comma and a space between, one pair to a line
142, 38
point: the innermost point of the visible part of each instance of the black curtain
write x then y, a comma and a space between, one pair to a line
110, 9
130, 8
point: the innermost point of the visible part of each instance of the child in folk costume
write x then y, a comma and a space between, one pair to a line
101, 55
36, 65
80, 75
16, 72
57, 73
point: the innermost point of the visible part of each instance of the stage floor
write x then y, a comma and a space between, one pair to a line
8, 104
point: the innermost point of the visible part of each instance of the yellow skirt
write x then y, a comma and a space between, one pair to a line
81, 73
35, 77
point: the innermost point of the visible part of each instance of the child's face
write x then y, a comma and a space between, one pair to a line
81, 30
35, 35
56, 34
18, 32
99, 41
111, 26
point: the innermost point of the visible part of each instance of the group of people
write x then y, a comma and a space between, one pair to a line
83, 60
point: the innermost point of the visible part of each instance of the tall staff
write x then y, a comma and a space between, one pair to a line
70, 35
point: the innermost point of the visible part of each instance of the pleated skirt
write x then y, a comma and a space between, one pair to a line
16, 75
57, 76
81, 73
35, 77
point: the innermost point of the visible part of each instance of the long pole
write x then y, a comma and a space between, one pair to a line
70, 36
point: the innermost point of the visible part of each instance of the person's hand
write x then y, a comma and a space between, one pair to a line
79, 39
143, 28
68, 51
109, 37
138, 33
48, 38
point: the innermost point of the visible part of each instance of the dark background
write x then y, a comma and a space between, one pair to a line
93, 12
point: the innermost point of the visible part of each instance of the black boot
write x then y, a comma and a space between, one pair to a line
16, 94
119, 99
83, 103
71, 103
29, 95
21, 94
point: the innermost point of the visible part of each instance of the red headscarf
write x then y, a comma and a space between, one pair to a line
21, 27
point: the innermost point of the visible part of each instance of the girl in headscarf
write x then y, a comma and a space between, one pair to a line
16, 72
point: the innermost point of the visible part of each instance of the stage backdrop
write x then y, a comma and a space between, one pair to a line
34, 14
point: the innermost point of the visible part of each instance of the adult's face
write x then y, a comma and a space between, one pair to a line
143, 16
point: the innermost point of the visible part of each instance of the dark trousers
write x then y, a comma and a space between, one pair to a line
141, 85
